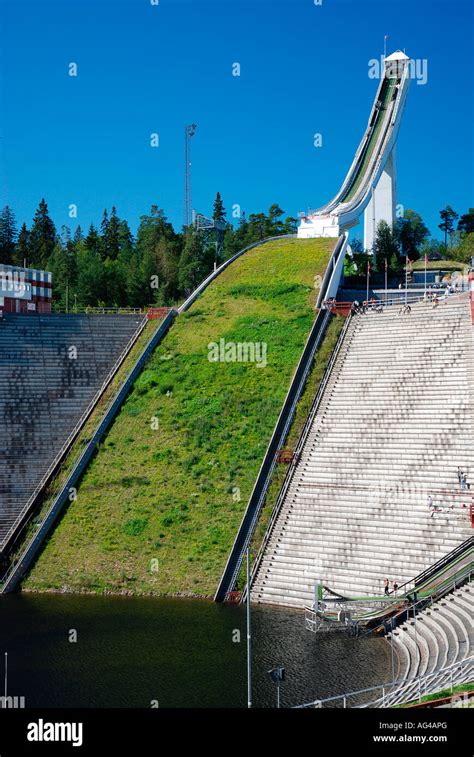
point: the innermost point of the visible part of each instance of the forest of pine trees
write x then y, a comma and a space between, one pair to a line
110, 267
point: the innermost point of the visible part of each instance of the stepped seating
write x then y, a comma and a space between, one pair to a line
51, 367
442, 636
395, 421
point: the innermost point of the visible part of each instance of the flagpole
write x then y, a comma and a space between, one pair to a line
368, 274
426, 266
386, 287
6, 674
406, 279
385, 47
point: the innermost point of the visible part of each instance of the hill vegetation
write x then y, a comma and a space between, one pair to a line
107, 266
159, 506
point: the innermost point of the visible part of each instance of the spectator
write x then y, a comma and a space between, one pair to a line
395, 587
386, 584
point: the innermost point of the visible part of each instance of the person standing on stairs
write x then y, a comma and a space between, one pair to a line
386, 584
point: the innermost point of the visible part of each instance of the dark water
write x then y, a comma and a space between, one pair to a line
131, 651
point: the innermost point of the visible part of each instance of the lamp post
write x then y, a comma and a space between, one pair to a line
278, 676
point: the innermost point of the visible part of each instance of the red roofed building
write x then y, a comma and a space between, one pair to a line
25, 290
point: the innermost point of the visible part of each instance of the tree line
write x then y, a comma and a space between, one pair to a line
410, 238
108, 266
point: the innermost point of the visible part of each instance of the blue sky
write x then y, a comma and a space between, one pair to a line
144, 69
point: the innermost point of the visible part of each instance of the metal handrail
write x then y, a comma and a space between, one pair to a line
439, 592
340, 246
399, 685
409, 683
95, 310
443, 561
74, 433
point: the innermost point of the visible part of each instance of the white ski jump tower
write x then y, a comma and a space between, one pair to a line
370, 185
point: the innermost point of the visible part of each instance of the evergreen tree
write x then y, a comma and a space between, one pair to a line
78, 235
274, 224
385, 245
466, 222
257, 226
112, 236
91, 279
159, 249
236, 239
21, 253
136, 291
65, 235
59, 266
465, 251
448, 216
411, 232
8, 234
218, 213
104, 225
92, 240
290, 225
195, 263
42, 237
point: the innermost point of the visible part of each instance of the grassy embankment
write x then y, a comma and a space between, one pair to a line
435, 265
459, 689
159, 506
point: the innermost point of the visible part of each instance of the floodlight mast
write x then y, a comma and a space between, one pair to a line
189, 132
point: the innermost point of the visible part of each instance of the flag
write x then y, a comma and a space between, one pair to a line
386, 265
368, 267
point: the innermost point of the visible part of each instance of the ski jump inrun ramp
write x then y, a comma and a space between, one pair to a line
370, 185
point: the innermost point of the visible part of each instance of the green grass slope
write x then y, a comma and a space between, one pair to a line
158, 509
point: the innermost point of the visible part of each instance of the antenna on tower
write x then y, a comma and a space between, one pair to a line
189, 131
